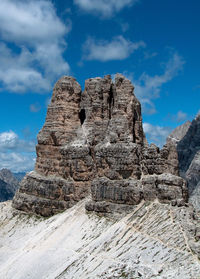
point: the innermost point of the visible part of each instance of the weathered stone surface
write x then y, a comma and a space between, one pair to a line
60, 127
189, 145
64, 168
186, 139
94, 142
165, 188
47, 195
179, 132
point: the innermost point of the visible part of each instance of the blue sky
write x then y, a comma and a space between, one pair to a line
154, 43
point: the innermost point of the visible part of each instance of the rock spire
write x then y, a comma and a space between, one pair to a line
93, 142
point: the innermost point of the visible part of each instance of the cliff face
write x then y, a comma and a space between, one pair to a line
93, 142
186, 139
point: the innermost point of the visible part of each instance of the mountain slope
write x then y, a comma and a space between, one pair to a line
5, 192
8, 184
179, 132
7, 176
19, 175
154, 241
187, 140
189, 145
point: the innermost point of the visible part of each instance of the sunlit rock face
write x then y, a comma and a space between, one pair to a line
93, 142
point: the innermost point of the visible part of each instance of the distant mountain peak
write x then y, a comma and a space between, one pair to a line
186, 138
9, 183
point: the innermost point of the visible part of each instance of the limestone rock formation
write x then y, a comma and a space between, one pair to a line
93, 142
64, 167
186, 139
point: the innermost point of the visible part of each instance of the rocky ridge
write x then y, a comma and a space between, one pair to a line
8, 185
186, 139
5, 191
93, 142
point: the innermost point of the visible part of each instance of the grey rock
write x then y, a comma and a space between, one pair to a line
8, 177
8, 185
93, 142
186, 139
5, 191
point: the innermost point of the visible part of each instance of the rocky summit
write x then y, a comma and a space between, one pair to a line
92, 143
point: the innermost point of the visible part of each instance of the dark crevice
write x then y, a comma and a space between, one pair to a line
110, 101
82, 116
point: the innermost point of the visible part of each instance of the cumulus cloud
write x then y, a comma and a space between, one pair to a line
104, 8
10, 141
17, 162
156, 134
117, 49
17, 73
30, 21
15, 153
147, 88
38, 35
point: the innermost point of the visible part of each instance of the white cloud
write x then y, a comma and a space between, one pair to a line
38, 35
117, 49
147, 88
17, 73
17, 162
156, 134
104, 8
16, 154
10, 141
30, 21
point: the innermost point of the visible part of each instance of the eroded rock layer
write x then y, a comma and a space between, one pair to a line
93, 142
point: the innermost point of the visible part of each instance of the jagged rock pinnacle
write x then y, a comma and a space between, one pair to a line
93, 142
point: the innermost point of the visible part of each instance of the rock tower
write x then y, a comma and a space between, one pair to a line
93, 142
